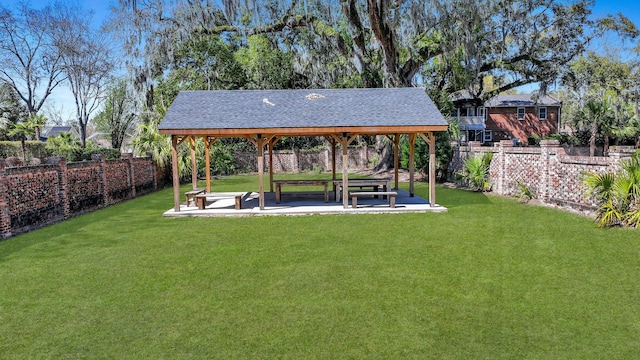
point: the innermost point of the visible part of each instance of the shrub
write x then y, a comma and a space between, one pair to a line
35, 149
618, 194
77, 153
476, 172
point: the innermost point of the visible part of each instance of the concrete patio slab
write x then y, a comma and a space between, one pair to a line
306, 204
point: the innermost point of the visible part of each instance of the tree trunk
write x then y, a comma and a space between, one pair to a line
24, 150
592, 139
385, 149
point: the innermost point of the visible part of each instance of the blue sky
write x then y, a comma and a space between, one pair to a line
62, 97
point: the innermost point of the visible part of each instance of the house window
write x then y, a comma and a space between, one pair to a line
471, 111
487, 136
482, 112
520, 113
542, 113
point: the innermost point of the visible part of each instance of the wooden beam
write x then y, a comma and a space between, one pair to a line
396, 159
432, 170
208, 141
333, 162
345, 171
412, 163
270, 145
175, 173
307, 131
260, 146
182, 139
194, 164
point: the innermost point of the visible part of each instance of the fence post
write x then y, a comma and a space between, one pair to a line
546, 146
502, 165
63, 185
5, 217
128, 158
103, 178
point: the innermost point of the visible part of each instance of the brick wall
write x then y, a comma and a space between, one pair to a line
297, 161
554, 176
35, 196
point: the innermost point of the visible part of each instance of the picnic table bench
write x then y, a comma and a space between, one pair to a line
201, 199
281, 183
374, 184
190, 195
390, 194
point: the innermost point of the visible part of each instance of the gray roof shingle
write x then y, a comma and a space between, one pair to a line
250, 109
511, 100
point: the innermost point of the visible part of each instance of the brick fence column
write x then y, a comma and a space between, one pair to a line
547, 148
617, 154
131, 172
502, 148
295, 160
63, 185
5, 217
102, 173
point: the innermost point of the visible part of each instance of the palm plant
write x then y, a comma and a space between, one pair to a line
476, 172
618, 194
22, 130
38, 122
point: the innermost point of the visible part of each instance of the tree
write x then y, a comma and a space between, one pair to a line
86, 60
38, 122
22, 130
30, 63
119, 113
597, 96
449, 45
11, 109
595, 115
387, 43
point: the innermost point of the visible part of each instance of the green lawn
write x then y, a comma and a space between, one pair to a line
490, 279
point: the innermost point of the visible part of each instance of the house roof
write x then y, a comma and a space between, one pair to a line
514, 100
510, 100
302, 112
56, 130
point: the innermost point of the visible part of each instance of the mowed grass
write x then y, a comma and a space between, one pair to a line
490, 279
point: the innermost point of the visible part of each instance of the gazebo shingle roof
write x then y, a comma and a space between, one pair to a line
314, 108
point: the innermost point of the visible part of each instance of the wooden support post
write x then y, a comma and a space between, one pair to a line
260, 146
207, 165
270, 166
432, 170
345, 171
208, 141
176, 175
396, 159
333, 162
412, 163
194, 165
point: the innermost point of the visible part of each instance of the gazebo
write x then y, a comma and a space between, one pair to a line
338, 115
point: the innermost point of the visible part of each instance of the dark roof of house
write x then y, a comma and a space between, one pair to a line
56, 130
510, 100
315, 108
522, 100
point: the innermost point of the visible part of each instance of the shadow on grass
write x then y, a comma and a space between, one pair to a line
452, 198
449, 197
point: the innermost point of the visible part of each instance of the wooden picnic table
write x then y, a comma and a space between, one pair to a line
281, 183
383, 184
